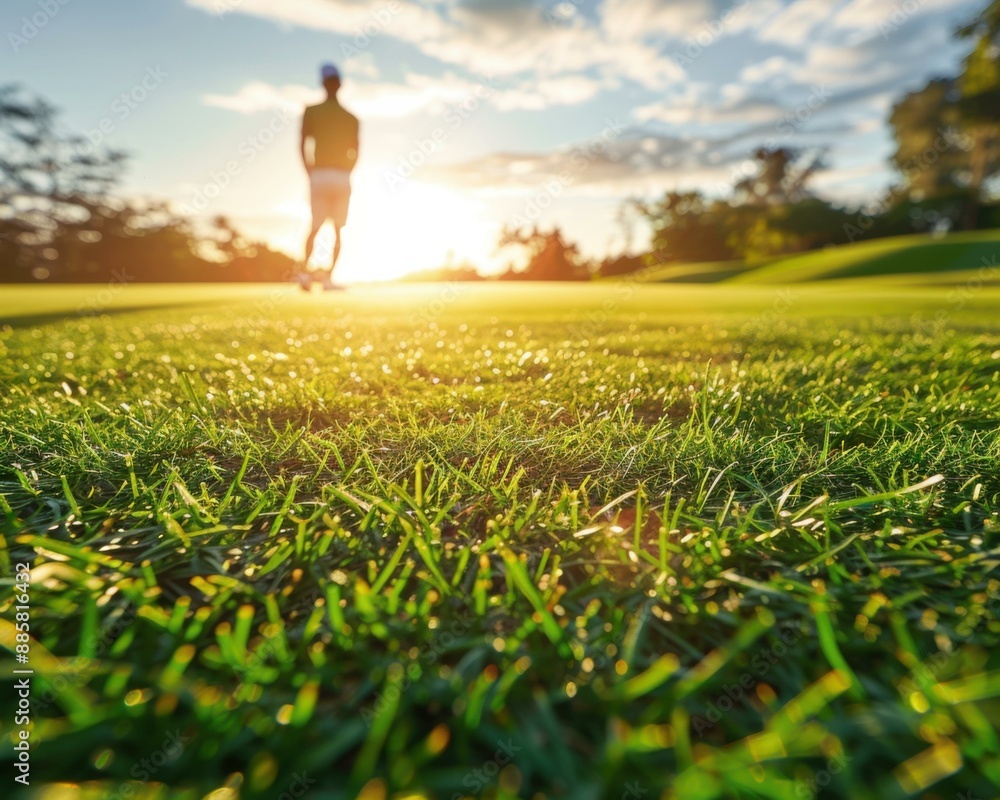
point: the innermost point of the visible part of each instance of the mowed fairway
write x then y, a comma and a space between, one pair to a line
612, 541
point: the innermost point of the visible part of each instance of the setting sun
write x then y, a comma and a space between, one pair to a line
394, 231
416, 226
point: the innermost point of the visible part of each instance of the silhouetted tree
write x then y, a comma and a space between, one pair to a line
550, 257
460, 273
771, 213
929, 146
624, 265
948, 133
59, 219
687, 226
48, 179
780, 178
979, 105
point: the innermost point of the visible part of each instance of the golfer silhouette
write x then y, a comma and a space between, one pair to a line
329, 152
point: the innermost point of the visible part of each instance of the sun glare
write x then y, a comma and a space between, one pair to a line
393, 231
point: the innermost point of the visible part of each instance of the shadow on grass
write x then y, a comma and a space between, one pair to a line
29, 319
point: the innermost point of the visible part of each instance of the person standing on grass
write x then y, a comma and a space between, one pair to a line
333, 133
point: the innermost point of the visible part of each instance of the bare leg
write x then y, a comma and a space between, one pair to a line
311, 244
328, 283
302, 275
336, 247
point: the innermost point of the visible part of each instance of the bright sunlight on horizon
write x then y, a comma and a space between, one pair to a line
395, 232
580, 106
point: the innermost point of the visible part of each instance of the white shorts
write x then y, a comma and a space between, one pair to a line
330, 192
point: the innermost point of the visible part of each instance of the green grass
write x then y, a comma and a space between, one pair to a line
701, 272
956, 259
582, 542
958, 254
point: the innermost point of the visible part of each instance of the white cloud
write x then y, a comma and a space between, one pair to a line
635, 19
763, 71
537, 62
795, 24
625, 166
487, 37
732, 105
541, 94
495, 38
854, 184
258, 96
641, 164
360, 66
845, 66
367, 99
359, 19
869, 15
751, 15
417, 93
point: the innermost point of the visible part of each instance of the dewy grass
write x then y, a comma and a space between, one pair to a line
529, 542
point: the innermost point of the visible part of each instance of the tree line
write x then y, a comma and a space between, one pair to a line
946, 156
60, 219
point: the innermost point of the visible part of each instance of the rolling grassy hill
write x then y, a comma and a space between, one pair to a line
901, 255
957, 258
701, 272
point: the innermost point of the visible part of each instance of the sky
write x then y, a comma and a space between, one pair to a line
477, 114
